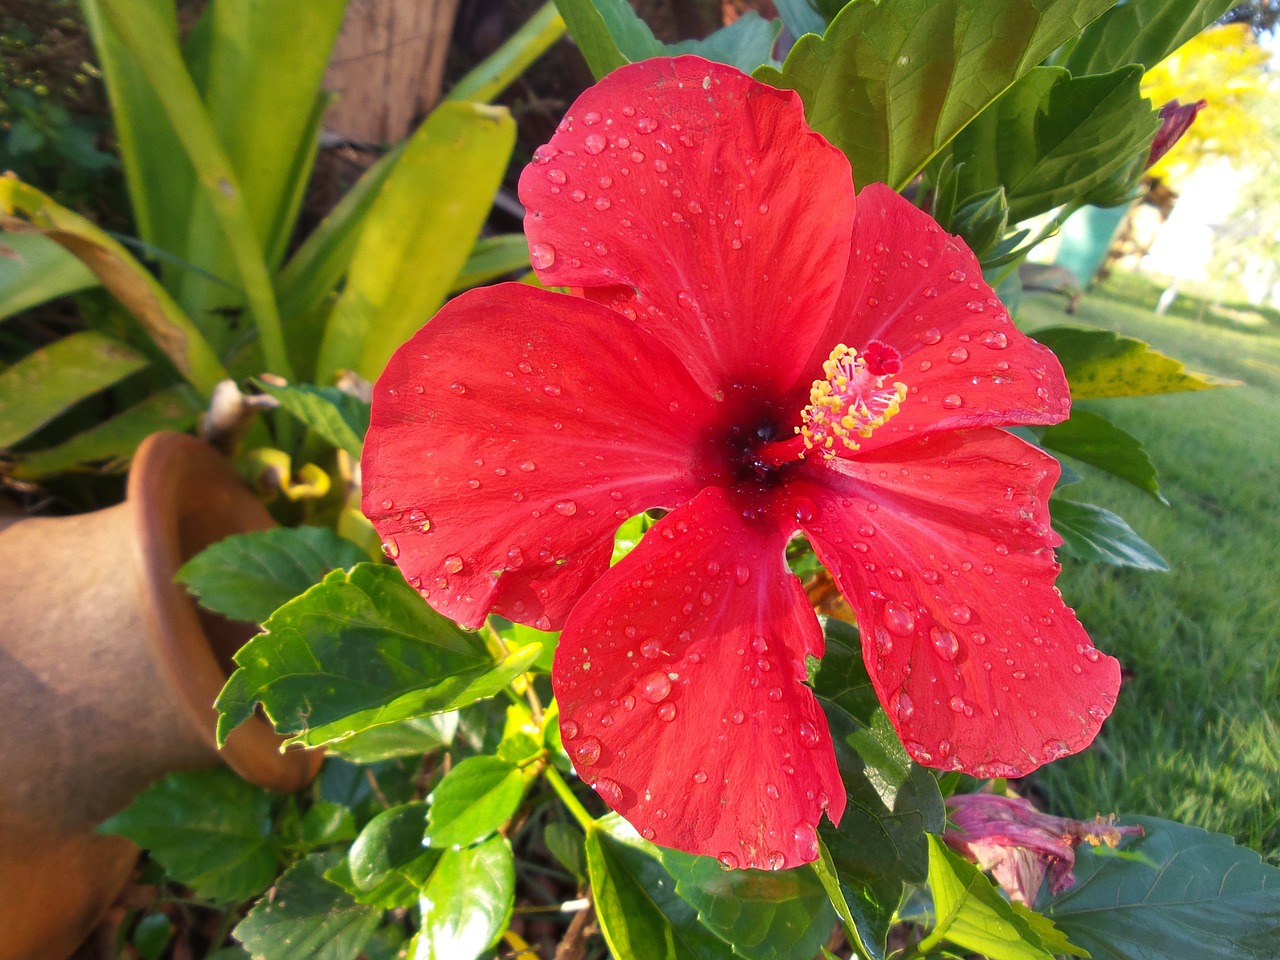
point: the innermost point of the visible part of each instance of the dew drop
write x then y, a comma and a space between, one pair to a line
995, 340
528, 466
602, 203
667, 712
976, 306
458, 388
587, 751
777, 860
931, 335
898, 619
651, 649
738, 716
655, 687
647, 833
903, 706
453, 563
542, 255
609, 791
944, 642
566, 508
728, 860
741, 574
594, 143
1053, 749
952, 401
958, 355
807, 734
774, 694
700, 777
957, 276
960, 613
806, 838
556, 175
391, 548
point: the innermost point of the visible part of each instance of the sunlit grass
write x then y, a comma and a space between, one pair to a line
1196, 733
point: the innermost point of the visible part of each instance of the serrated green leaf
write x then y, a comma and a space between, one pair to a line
35, 270
388, 841
1180, 891
416, 236
1095, 440
970, 912
359, 650
640, 914
891, 83
400, 887
467, 903
1141, 31
50, 380
308, 917
408, 738
208, 828
334, 414
249, 575
116, 438
477, 797
1091, 533
1052, 137
1101, 363
766, 915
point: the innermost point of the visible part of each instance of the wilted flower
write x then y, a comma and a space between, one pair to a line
1175, 119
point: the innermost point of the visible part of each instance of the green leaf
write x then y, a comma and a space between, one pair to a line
1098, 442
1180, 891
1141, 31
609, 33
493, 257
765, 915
208, 828
1051, 137
334, 414
123, 276
35, 270
359, 650
640, 914
565, 842
801, 17
474, 799
972, 913
326, 823
390, 840
891, 802
308, 917
891, 83
50, 380
1091, 533
1100, 363
467, 903
116, 438
408, 738
417, 235
249, 575
400, 887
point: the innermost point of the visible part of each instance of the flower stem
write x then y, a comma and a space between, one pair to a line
552, 776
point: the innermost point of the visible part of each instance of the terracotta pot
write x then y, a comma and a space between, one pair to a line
108, 673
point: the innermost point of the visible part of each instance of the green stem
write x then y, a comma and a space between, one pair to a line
585, 820
497, 71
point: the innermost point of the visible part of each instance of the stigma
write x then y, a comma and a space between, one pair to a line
854, 399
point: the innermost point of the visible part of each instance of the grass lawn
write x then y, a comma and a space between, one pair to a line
1196, 733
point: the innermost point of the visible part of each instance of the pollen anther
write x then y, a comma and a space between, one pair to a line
854, 398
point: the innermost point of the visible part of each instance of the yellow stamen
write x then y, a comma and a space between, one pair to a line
851, 401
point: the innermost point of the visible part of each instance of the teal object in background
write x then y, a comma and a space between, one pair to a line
1086, 237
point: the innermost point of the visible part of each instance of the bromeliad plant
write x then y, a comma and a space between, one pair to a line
748, 347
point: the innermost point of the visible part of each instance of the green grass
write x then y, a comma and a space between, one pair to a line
1195, 735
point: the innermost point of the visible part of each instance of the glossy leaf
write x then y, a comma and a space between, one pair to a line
565, 842
609, 34
491, 258
123, 276
308, 917
467, 903
765, 915
399, 887
114, 440
891, 83
357, 651
417, 235
1100, 363
474, 799
334, 414
35, 270
408, 738
640, 914
249, 575
50, 380
1180, 891
801, 17
1095, 440
971, 912
1052, 137
1141, 31
208, 828
1091, 533
390, 840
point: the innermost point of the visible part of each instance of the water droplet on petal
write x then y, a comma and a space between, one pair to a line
898, 619
528, 466
741, 574
594, 143
391, 548
1053, 749
952, 401
728, 860
587, 751
903, 706
542, 255
566, 508
995, 340
931, 335
568, 729
774, 694
777, 860
738, 716
958, 355
667, 711
655, 687
458, 388
453, 563
960, 613
944, 643
651, 648
806, 838
808, 734
609, 791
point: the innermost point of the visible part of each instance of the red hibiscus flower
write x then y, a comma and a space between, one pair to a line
754, 350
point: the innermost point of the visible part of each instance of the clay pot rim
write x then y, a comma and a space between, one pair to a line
170, 474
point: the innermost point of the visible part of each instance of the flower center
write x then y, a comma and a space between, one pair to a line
853, 399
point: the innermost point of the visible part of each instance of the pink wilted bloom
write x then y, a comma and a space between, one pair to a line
1019, 844
751, 348
1175, 120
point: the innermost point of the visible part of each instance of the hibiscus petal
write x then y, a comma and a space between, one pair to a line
914, 287
680, 683
510, 437
942, 545
665, 194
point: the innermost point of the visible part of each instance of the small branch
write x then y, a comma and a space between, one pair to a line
552, 776
574, 944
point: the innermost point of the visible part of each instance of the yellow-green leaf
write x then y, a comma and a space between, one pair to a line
1100, 363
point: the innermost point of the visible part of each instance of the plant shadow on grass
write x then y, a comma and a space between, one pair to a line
1194, 736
